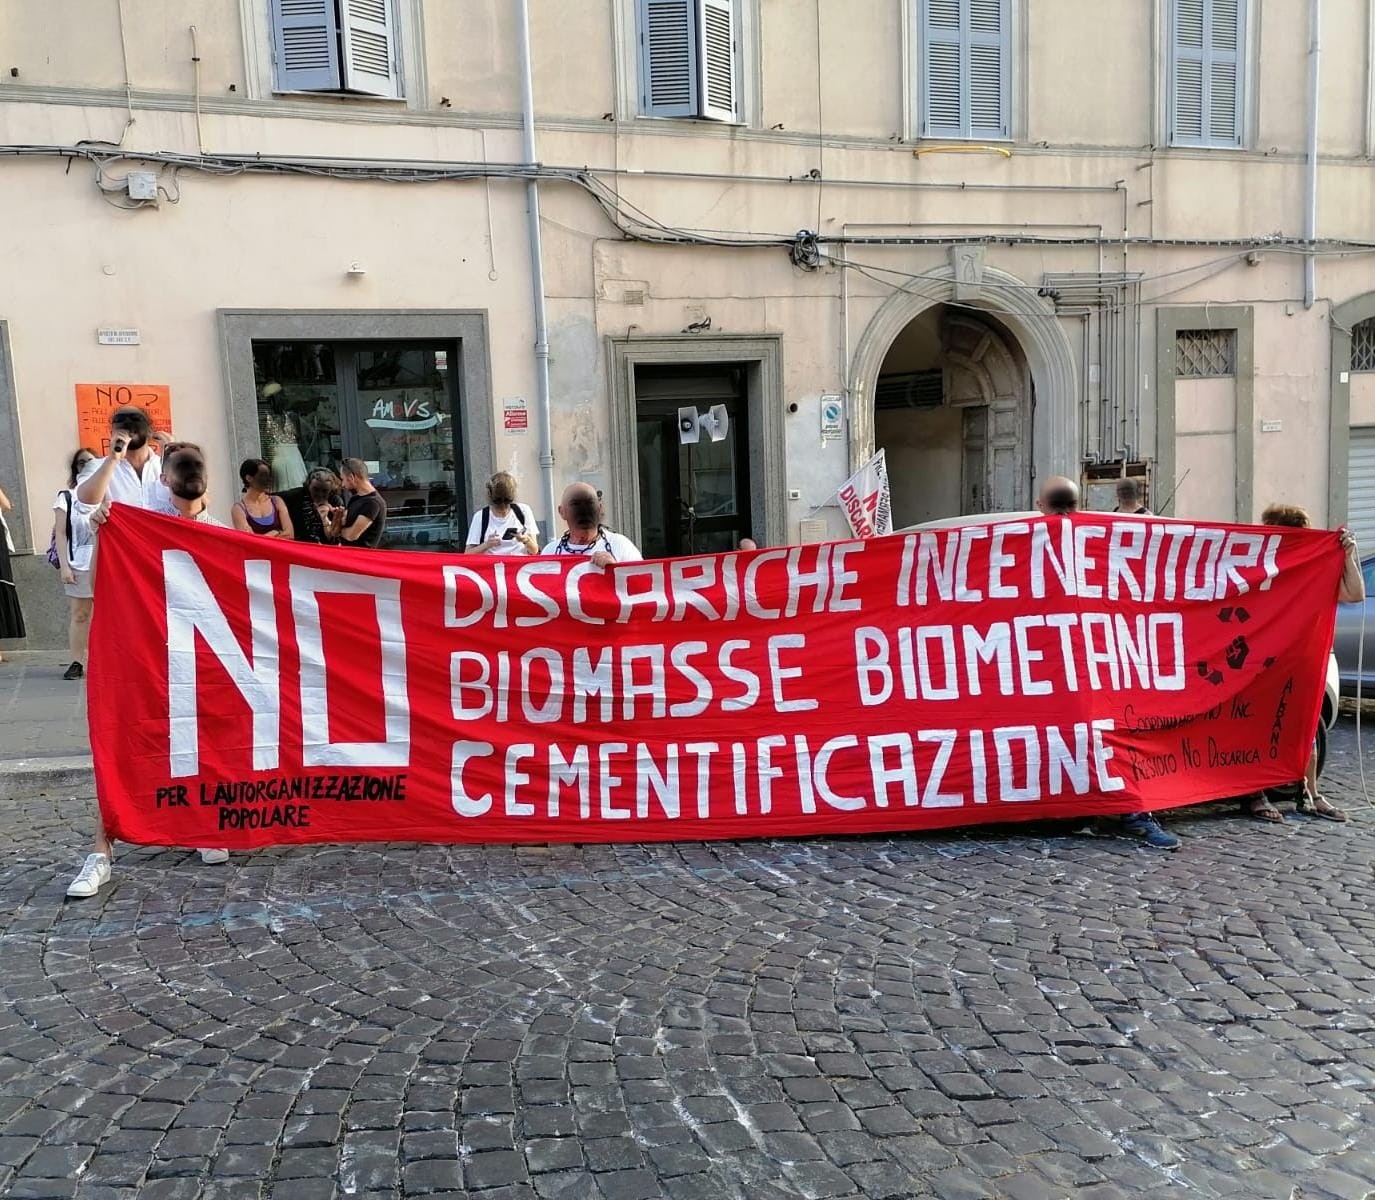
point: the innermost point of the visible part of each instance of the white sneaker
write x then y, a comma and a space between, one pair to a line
94, 874
213, 858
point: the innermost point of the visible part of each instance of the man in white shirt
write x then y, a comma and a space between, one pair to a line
183, 479
131, 472
581, 510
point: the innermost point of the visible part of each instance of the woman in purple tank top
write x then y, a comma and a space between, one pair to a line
260, 511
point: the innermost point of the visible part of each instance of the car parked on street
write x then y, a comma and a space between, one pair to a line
1354, 623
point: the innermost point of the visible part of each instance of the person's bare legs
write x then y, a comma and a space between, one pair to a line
79, 628
95, 871
102, 844
1314, 802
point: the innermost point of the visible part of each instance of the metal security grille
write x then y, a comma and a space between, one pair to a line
1205, 353
1363, 346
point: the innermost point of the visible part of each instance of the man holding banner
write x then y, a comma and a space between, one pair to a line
1060, 496
183, 477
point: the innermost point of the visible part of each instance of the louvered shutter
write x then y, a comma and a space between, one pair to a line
1224, 72
305, 44
965, 69
717, 60
988, 68
668, 58
1360, 512
942, 109
369, 47
1207, 53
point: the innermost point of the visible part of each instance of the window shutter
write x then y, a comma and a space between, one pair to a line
668, 58
369, 47
942, 77
988, 73
717, 60
305, 44
1224, 73
965, 69
1207, 52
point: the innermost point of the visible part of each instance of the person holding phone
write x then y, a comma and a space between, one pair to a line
183, 479
132, 472
363, 519
503, 527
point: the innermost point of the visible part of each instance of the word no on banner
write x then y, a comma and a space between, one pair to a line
1055, 667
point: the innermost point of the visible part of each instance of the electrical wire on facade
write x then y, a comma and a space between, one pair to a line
631, 221
876, 272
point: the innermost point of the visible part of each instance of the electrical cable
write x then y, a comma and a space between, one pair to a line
128, 84
196, 60
628, 218
997, 310
820, 125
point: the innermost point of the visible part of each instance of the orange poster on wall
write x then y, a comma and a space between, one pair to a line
96, 401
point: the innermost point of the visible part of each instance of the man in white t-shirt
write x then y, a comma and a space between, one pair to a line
503, 527
132, 472
183, 479
581, 510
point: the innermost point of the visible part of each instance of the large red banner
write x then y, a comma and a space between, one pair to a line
250, 691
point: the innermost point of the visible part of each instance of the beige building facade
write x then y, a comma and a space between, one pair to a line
997, 238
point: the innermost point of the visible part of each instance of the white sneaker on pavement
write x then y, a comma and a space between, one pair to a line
94, 874
213, 858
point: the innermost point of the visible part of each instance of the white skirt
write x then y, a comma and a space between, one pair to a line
288, 467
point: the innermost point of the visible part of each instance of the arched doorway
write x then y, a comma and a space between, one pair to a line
1026, 322
952, 411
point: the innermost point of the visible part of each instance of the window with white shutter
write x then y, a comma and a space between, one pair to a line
348, 46
965, 69
689, 58
1207, 72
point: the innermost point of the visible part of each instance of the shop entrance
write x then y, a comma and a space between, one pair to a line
694, 497
392, 404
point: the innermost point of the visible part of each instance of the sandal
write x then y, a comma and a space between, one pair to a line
1320, 806
1260, 809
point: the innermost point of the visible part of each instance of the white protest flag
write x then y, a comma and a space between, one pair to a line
865, 498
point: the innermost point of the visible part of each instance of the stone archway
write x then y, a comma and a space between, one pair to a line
1029, 318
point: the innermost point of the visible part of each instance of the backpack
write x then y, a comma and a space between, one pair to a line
487, 519
53, 559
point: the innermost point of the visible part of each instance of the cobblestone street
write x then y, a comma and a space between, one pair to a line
1005, 1014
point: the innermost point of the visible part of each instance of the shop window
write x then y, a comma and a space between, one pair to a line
391, 404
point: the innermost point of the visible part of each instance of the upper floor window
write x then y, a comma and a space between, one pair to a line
689, 58
1207, 72
965, 69
335, 46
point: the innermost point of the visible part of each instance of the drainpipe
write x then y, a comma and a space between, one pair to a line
1310, 215
543, 414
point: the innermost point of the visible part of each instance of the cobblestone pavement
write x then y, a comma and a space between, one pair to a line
1005, 1014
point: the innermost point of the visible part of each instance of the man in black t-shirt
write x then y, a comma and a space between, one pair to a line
362, 521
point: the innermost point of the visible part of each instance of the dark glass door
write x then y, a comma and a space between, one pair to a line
694, 497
